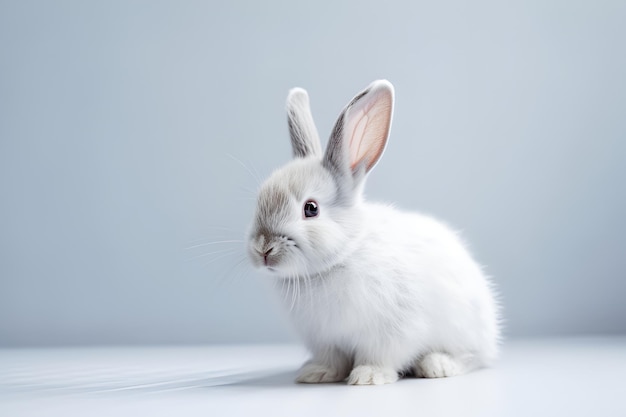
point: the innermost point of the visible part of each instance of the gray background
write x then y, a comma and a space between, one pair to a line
125, 127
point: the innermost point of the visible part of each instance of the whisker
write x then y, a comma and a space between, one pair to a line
289, 288
219, 228
214, 243
255, 171
299, 289
224, 276
294, 293
243, 267
211, 253
228, 229
248, 190
282, 288
307, 281
254, 176
205, 264
241, 263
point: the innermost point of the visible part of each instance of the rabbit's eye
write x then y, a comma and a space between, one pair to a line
311, 209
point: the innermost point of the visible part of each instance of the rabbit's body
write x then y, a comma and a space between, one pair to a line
393, 307
373, 290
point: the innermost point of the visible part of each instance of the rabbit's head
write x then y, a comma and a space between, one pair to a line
309, 213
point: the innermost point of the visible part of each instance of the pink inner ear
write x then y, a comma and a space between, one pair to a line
359, 132
368, 126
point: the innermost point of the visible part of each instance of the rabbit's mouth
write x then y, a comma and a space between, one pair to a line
267, 254
271, 252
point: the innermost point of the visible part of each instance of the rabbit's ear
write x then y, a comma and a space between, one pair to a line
304, 138
360, 134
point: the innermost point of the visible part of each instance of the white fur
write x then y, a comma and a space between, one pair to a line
374, 291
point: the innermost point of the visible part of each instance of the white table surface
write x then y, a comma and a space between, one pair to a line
556, 377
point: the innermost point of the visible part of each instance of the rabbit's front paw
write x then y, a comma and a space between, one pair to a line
313, 373
438, 365
372, 375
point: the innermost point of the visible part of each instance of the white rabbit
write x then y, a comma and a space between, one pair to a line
375, 292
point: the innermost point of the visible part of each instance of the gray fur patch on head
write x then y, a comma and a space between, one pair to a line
282, 238
273, 207
281, 198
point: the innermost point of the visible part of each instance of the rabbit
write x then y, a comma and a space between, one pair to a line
375, 292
